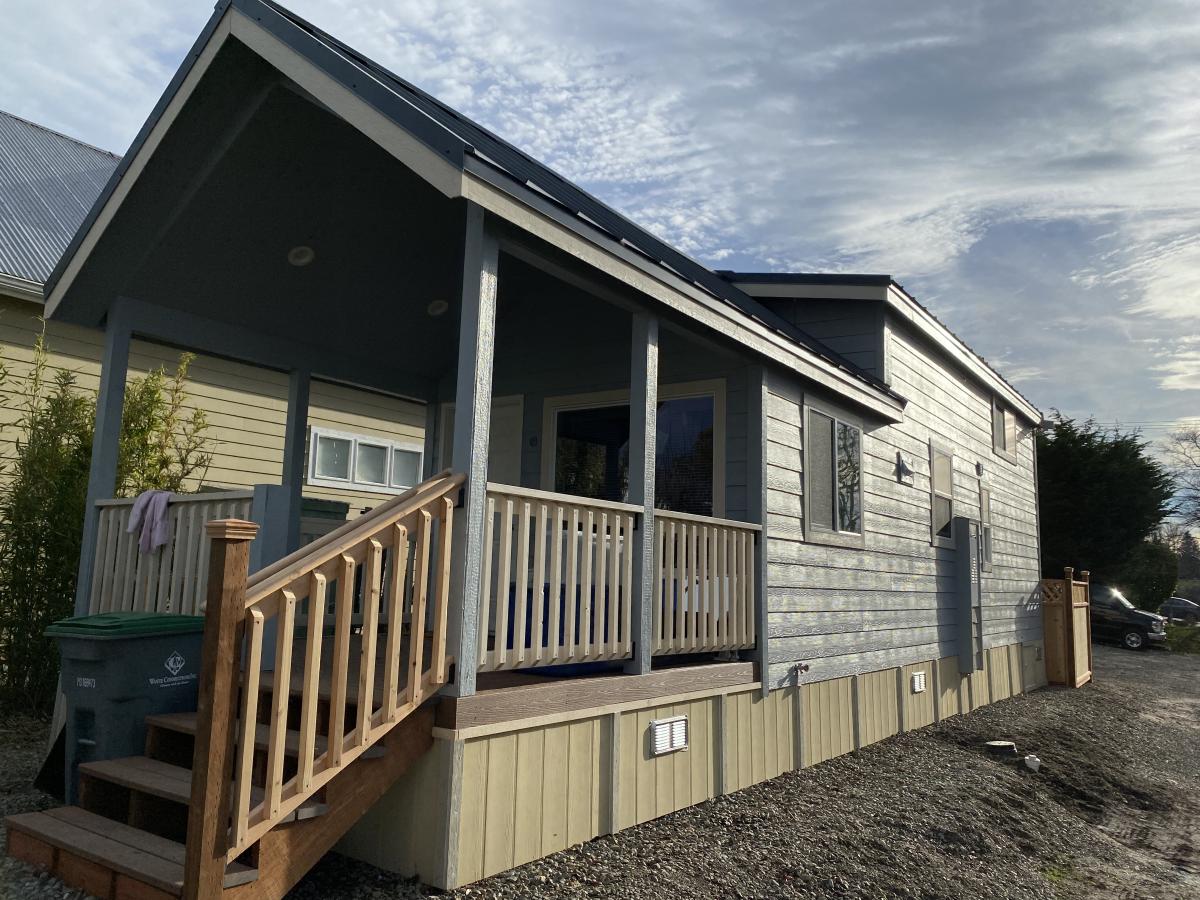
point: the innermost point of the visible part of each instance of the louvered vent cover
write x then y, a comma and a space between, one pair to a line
918, 682
669, 735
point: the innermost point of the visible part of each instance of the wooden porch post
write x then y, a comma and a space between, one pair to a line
469, 455
294, 445
756, 509
224, 620
643, 425
106, 438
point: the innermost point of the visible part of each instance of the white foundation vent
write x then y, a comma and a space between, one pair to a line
918, 682
668, 735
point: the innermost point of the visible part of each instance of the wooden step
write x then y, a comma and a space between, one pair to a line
100, 856
160, 779
186, 723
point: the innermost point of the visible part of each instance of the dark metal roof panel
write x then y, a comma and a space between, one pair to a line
805, 278
48, 183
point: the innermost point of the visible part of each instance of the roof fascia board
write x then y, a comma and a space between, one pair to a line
813, 291
21, 288
910, 311
529, 211
203, 52
353, 94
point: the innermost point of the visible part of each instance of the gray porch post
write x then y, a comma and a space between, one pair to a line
102, 478
643, 423
472, 415
756, 507
294, 444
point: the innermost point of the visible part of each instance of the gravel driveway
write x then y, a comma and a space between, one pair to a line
1114, 812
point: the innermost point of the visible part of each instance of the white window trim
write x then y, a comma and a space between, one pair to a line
813, 534
936, 539
714, 388
350, 484
1005, 452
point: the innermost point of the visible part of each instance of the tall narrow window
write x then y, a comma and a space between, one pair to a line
1004, 431
985, 528
833, 478
941, 468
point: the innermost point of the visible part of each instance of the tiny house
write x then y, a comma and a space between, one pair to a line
674, 531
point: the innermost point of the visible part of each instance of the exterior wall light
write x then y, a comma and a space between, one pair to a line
301, 255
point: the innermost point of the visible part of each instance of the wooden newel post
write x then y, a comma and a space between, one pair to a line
220, 671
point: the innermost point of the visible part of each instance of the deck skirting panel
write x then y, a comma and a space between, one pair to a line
531, 787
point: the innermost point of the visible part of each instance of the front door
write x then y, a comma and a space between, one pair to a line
504, 443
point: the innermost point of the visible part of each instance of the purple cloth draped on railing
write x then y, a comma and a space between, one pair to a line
149, 513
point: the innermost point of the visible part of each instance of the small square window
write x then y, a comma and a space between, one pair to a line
371, 464
406, 468
333, 458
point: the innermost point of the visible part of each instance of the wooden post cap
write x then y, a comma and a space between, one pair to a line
231, 530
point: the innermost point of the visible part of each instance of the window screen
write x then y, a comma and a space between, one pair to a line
820, 459
849, 478
942, 487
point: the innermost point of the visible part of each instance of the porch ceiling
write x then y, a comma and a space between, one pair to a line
211, 227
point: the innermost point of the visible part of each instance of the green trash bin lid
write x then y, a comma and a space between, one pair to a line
124, 625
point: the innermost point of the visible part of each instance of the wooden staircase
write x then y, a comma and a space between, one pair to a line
242, 797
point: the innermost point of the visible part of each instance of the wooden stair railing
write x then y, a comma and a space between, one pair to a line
397, 555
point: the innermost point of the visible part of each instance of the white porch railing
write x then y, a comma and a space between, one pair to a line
174, 577
704, 593
557, 579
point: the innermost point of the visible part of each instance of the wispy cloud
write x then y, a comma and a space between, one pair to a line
1027, 170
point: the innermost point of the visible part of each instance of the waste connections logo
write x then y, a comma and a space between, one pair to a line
175, 662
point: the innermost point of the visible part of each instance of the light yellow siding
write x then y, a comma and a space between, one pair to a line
952, 688
529, 793
917, 708
878, 715
827, 716
1033, 665
651, 786
246, 406
406, 830
759, 738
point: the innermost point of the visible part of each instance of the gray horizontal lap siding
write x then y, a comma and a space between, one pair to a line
845, 610
851, 328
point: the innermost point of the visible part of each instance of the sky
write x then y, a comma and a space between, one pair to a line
1029, 171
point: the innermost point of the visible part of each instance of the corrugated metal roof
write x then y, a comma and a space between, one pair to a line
48, 183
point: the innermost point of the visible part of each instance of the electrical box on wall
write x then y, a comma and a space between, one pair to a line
969, 595
668, 735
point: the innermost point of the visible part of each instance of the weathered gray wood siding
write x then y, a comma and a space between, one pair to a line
852, 328
845, 611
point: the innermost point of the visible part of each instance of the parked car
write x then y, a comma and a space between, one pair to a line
1116, 619
1177, 609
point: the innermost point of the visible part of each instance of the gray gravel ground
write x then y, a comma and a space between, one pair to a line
1115, 812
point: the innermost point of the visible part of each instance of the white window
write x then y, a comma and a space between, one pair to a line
1004, 431
985, 528
833, 494
941, 488
360, 462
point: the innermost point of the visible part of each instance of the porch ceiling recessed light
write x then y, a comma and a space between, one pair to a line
437, 308
301, 255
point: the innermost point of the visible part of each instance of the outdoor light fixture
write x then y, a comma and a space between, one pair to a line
301, 255
437, 308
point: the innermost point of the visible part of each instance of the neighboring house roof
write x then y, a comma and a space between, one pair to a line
48, 182
891, 289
